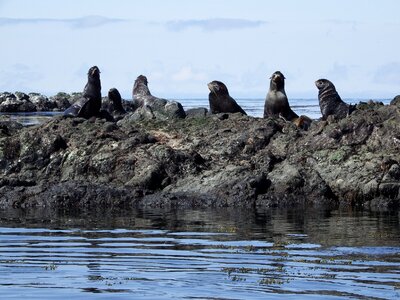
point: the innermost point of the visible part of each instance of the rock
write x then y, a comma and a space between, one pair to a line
370, 104
160, 109
8, 127
41, 102
18, 102
63, 100
21, 102
5, 96
198, 112
395, 101
212, 160
128, 105
21, 96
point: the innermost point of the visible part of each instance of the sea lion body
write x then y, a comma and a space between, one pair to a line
145, 100
276, 102
140, 91
115, 107
90, 103
220, 100
330, 102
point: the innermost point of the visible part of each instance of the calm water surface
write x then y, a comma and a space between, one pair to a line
200, 254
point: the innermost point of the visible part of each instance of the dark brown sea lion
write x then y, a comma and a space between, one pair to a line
115, 97
144, 99
277, 104
330, 102
90, 103
220, 100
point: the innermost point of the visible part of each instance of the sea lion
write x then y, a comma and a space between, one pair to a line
140, 91
220, 100
156, 106
115, 103
330, 102
90, 103
277, 104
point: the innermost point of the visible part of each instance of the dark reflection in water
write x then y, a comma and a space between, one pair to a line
31, 118
200, 254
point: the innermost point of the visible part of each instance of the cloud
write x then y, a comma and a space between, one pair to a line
83, 22
210, 25
187, 73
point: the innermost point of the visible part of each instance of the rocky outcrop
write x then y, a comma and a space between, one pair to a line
395, 101
18, 102
21, 102
212, 160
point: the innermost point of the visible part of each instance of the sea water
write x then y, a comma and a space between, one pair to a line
200, 254
254, 107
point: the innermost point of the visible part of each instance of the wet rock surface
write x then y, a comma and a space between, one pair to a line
211, 160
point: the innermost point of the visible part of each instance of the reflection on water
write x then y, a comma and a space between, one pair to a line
200, 254
31, 118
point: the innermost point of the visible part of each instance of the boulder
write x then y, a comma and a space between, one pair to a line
18, 102
395, 101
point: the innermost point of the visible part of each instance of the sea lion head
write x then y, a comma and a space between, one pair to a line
278, 77
277, 80
140, 87
323, 84
217, 87
142, 79
94, 72
114, 95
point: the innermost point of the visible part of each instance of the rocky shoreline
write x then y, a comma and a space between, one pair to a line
203, 161
20, 102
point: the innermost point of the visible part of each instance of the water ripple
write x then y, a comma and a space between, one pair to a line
164, 264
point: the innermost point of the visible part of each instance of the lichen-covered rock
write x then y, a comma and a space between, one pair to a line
63, 100
21, 102
8, 127
212, 160
41, 102
18, 102
198, 112
395, 101
159, 109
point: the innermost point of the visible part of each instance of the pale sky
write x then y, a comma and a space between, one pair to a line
180, 45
